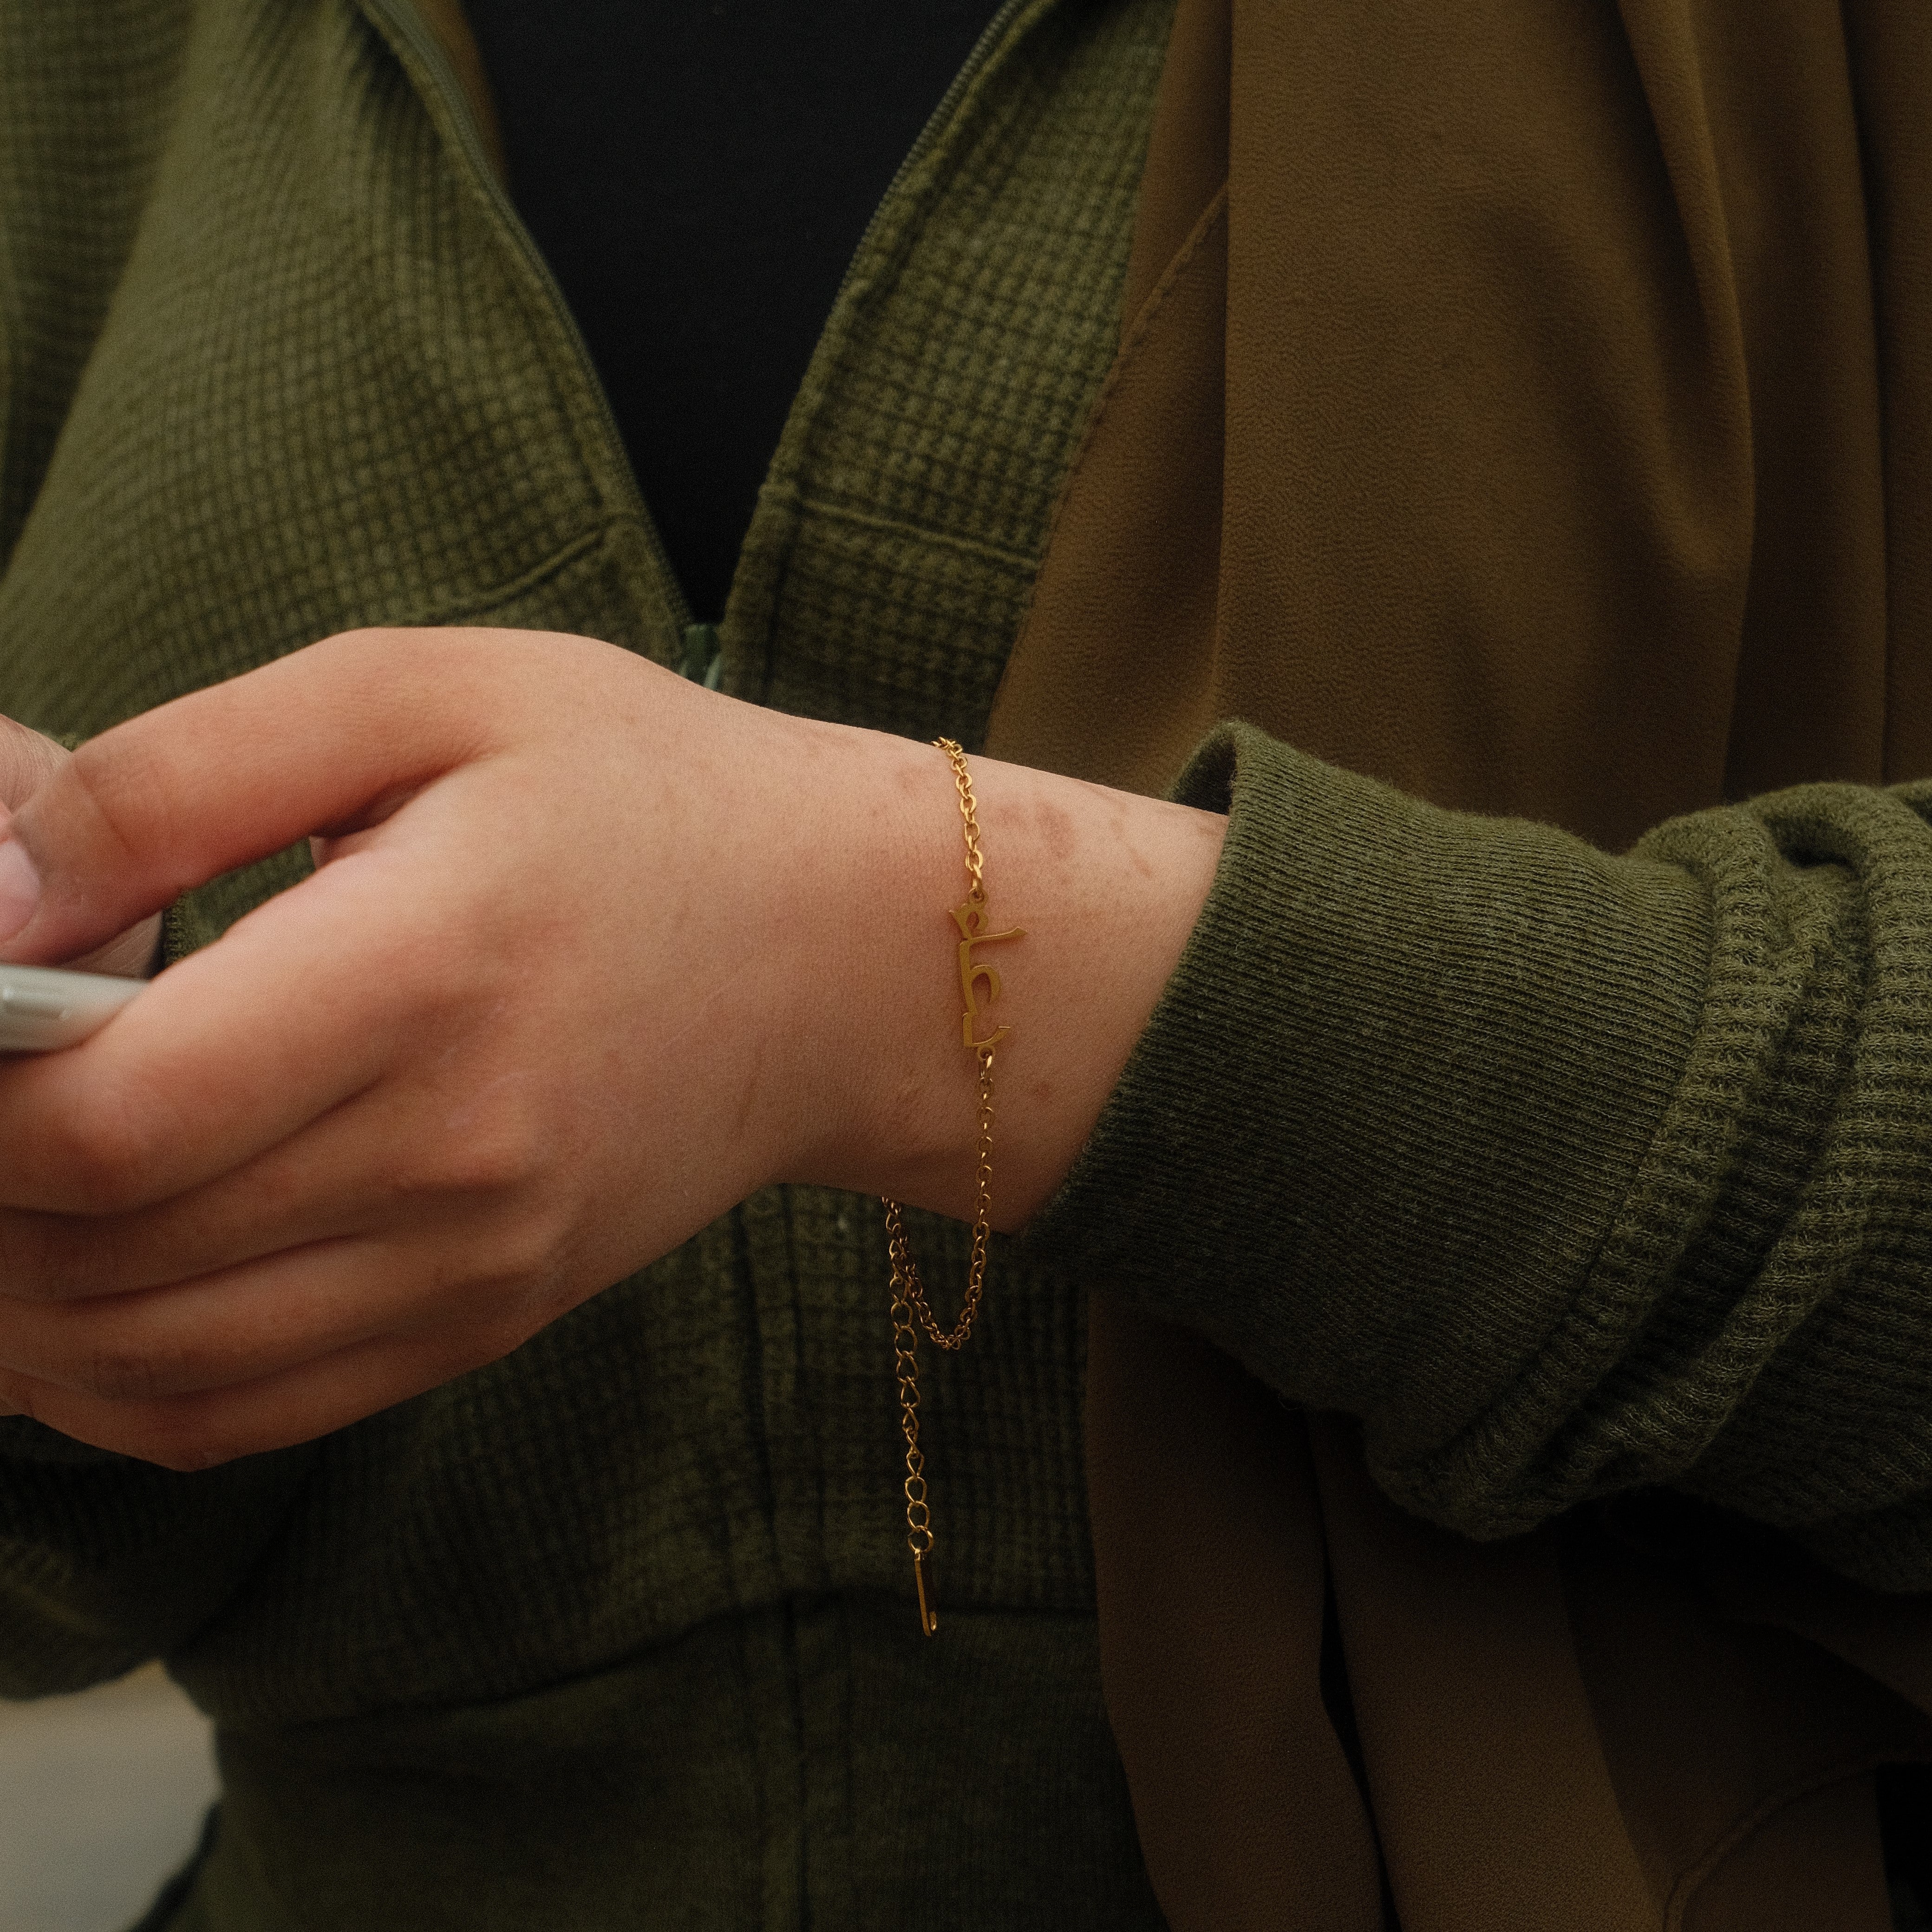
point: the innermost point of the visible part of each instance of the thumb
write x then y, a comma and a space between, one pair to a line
223, 776
27, 760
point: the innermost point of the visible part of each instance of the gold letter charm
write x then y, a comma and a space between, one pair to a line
969, 918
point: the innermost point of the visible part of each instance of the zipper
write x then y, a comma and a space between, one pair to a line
402, 20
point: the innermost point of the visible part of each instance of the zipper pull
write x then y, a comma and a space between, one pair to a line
703, 655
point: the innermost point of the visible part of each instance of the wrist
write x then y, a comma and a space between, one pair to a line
1107, 886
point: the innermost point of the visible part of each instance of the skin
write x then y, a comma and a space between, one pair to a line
590, 955
27, 761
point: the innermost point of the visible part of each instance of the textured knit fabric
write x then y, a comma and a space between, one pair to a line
807, 1765
1722, 1045
332, 386
615, 1631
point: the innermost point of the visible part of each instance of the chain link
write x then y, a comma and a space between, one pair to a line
963, 783
907, 1279
910, 1309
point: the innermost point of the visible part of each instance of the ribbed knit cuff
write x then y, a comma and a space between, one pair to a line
1394, 1096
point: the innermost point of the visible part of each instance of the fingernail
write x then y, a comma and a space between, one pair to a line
20, 888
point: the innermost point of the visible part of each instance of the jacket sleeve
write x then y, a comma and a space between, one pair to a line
1566, 1174
105, 1561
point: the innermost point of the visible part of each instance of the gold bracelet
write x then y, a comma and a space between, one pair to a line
908, 1291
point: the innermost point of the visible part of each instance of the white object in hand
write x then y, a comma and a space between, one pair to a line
41, 1009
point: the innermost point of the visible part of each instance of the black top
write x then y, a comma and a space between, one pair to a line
697, 176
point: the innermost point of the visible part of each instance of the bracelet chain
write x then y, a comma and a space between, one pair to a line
910, 1309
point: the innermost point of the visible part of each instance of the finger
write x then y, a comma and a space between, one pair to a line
233, 1326
266, 1318
199, 1431
223, 776
384, 1158
135, 954
233, 1050
27, 761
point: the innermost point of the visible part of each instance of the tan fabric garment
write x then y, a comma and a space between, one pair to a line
1540, 418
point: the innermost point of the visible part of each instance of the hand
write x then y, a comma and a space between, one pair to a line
27, 761
590, 955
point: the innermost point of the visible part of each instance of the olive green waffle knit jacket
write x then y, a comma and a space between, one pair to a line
325, 382
1565, 1173
615, 1631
